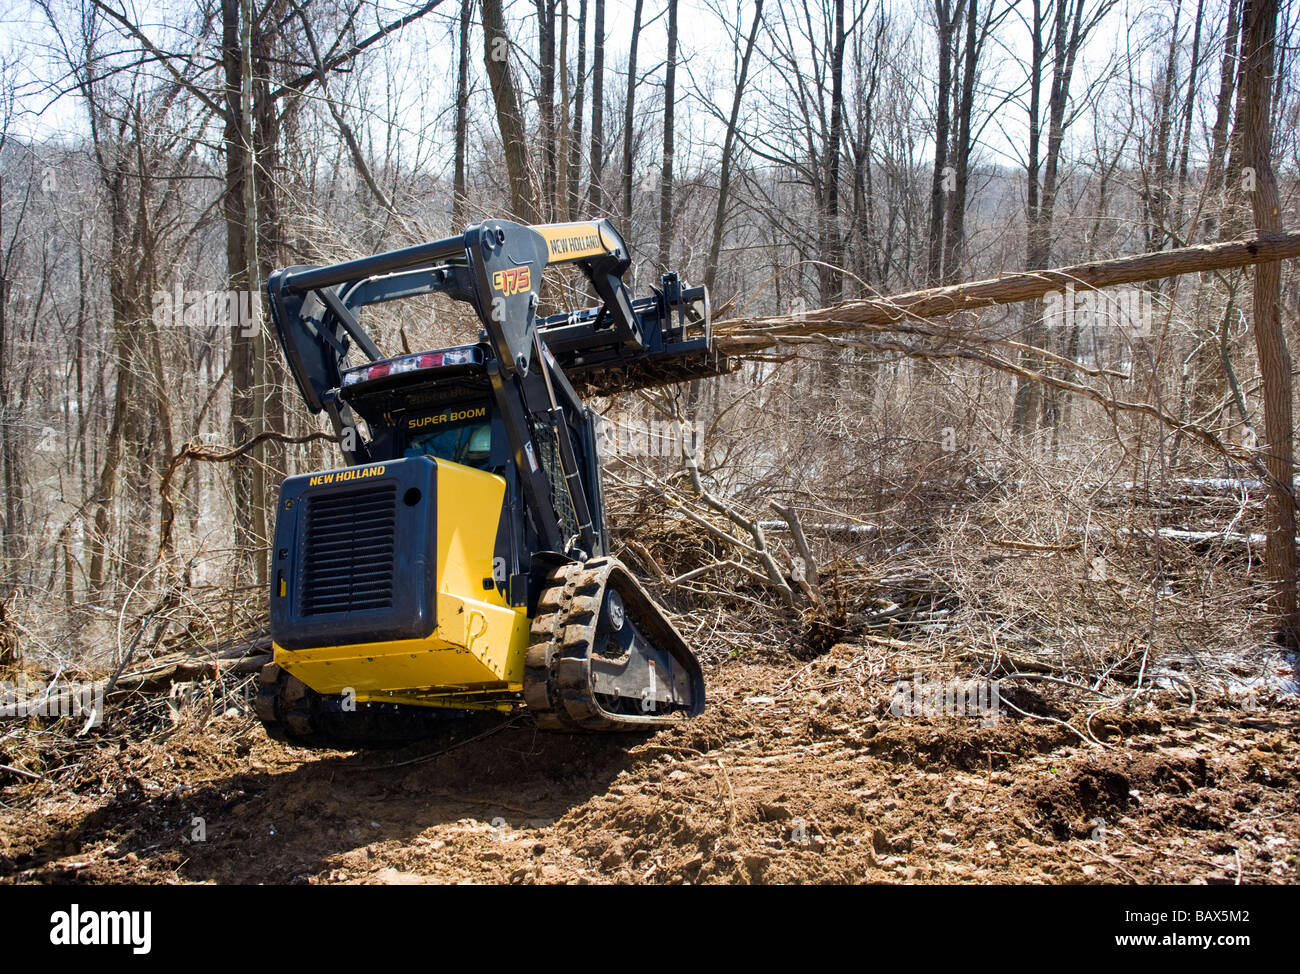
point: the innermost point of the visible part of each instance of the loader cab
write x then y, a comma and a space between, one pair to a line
436, 404
463, 433
468, 443
440, 404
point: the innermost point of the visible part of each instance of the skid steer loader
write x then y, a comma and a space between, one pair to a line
459, 562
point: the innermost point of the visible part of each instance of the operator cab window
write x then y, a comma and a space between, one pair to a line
461, 435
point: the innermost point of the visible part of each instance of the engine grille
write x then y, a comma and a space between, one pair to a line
348, 556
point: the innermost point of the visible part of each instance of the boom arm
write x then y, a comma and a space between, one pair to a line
534, 364
497, 266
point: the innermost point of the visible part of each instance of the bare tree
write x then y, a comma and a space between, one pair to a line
629, 117
597, 163
462, 118
1071, 21
978, 31
510, 121
728, 145
666, 175
1254, 109
575, 144
947, 19
546, 107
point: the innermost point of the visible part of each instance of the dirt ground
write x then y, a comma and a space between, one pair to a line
797, 773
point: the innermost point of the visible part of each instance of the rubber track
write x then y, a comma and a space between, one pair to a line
557, 685
294, 713
541, 662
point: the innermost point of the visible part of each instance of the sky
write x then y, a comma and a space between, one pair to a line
422, 60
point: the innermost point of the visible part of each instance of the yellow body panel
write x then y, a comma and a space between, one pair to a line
475, 656
567, 242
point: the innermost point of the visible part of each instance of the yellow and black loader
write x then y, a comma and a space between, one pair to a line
459, 562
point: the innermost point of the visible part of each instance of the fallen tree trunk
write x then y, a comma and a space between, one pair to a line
901, 324
80, 699
741, 335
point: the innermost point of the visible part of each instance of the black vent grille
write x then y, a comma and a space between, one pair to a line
349, 552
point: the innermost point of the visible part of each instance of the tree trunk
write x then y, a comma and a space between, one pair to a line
575, 144
666, 177
269, 176
565, 134
458, 201
724, 177
1068, 34
256, 539
629, 117
943, 98
597, 164
738, 335
234, 206
1189, 113
1157, 195
11, 450
1216, 176
954, 245
548, 204
1254, 112
831, 278
514, 139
